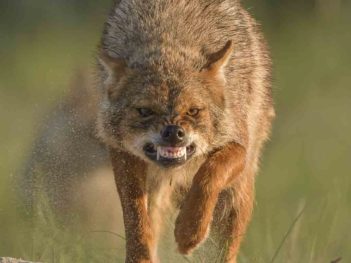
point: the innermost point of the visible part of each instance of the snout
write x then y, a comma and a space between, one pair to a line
173, 148
173, 135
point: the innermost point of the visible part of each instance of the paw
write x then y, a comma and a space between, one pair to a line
189, 234
192, 224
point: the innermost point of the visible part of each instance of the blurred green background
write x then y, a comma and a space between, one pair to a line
306, 166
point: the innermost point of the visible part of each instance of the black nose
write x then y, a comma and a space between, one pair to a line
173, 134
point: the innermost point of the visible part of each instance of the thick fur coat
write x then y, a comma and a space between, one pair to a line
185, 107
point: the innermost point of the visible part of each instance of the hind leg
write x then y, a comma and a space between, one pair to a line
230, 219
232, 215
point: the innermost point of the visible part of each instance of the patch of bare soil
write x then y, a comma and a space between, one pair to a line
13, 260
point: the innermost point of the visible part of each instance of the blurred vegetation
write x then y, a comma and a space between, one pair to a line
306, 165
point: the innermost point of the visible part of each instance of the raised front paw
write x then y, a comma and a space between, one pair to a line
193, 222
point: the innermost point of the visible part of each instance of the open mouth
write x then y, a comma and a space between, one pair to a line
168, 155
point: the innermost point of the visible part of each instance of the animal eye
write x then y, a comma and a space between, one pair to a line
193, 112
145, 112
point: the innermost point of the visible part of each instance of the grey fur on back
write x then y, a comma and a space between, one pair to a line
188, 31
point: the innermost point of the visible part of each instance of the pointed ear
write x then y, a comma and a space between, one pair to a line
217, 61
114, 67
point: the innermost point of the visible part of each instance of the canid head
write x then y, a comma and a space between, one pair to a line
164, 115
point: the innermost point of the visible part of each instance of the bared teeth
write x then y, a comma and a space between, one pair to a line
171, 152
158, 153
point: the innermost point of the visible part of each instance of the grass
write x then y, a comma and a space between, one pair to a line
306, 164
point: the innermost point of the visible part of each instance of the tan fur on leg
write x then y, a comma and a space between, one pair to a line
131, 185
193, 221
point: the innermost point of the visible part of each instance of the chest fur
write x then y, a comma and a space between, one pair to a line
166, 188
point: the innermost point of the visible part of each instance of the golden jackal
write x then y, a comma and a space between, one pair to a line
185, 109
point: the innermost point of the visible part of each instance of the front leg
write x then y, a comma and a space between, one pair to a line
216, 173
130, 176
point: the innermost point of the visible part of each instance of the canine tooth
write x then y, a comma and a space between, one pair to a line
185, 154
158, 152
